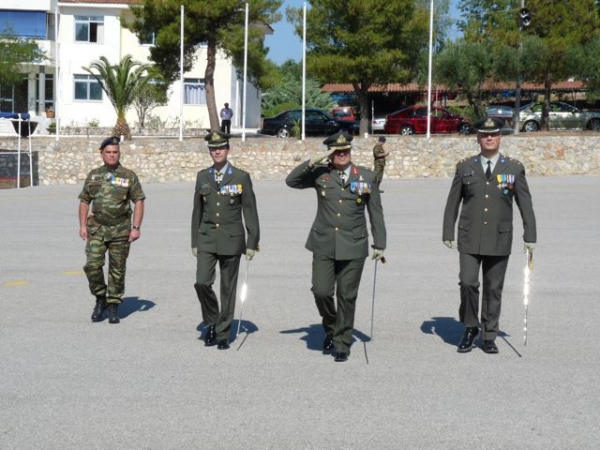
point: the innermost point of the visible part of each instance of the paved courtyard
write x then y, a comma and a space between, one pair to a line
149, 383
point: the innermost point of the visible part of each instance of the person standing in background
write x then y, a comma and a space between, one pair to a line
226, 115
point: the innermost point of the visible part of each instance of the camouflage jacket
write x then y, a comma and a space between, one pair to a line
111, 192
378, 161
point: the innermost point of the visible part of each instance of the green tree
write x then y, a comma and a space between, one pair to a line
363, 42
557, 27
121, 83
15, 54
287, 94
151, 95
217, 24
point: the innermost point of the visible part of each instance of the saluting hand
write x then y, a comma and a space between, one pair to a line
319, 158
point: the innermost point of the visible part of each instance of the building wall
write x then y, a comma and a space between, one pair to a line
116, 43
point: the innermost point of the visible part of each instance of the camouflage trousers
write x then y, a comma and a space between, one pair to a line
95, 251
378, 174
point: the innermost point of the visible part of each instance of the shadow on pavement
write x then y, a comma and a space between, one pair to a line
131, 305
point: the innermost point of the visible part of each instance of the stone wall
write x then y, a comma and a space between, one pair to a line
159, 160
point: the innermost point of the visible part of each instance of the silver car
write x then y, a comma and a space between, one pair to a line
562, 116
377, 124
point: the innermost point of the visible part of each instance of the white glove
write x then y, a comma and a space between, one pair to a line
319, 158
377, 255
449, 244
195, 251
529, 246
250, 254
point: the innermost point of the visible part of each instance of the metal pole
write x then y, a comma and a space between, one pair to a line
181, 96
429, 70
304, 71
245, 75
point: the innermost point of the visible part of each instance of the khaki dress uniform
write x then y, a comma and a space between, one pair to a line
110, 192
219, 235
485, 233
339, 241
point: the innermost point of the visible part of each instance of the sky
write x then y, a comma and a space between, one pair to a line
284, 44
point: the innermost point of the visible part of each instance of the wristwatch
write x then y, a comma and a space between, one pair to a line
136, 227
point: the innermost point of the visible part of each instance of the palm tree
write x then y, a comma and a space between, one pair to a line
121, 83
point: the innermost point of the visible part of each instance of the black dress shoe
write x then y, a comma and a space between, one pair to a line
223, 344
328, 344
466, 343
341, 357
489, 346
210, 337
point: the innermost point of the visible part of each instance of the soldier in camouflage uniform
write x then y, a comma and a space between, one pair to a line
379, 155
338, 238
110, 189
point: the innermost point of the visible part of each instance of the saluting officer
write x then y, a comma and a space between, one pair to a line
486, 184
339, 238
110, 189
223, 194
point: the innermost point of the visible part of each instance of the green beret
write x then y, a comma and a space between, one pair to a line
216, 139
489, 125
339, 141
113, 140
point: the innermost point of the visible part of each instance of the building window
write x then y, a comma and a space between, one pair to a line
25, 24
89, 29
87, 88
147, 38
194, 91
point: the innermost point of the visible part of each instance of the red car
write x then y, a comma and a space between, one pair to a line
413, 120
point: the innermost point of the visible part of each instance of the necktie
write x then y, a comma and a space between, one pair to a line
343, 176
218, 177
488, 172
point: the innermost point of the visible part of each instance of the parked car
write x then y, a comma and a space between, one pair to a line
503, 113
377, 124
561, 116
344, 113
413, 120
318, 123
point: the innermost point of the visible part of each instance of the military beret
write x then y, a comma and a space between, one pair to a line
339, 141
113, 140
382, 139
216, 139
488, 125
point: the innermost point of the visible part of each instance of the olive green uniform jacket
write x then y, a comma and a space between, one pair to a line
339, 230
217, 225
485, 226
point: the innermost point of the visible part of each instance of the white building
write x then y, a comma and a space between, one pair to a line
75, 33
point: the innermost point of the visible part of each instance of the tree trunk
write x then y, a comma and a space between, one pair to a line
546, 109
362, 92
209, 80
122, 128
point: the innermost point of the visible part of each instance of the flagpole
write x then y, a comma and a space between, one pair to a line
181, 76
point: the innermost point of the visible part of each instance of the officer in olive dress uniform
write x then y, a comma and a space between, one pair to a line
110, 189
223, 194
486, 185
338, 237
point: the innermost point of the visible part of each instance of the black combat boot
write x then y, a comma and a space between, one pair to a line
99, 309
113, 310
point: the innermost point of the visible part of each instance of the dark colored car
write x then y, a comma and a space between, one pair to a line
413, 120
318, 123
562, 116
504, 113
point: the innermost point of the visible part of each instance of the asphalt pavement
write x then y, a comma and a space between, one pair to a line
149, 383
